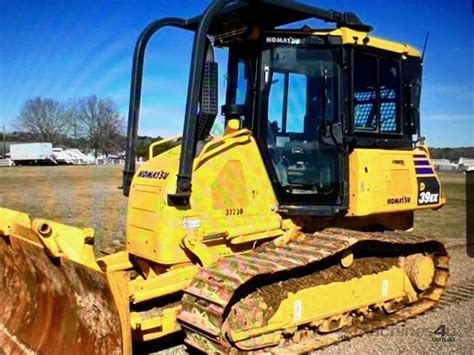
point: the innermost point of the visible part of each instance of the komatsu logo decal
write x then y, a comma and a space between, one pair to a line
398, 200
283, 40
159, 175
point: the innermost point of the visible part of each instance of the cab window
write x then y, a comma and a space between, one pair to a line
376, 94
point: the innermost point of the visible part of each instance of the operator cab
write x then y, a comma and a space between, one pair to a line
309, 97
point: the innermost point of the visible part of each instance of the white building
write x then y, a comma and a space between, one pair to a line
465, 163
444, 165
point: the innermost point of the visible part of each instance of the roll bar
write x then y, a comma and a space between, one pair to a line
136, 93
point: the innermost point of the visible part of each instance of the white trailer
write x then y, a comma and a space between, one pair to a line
70, 156
32, 153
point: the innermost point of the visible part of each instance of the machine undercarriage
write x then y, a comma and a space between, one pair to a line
313, 292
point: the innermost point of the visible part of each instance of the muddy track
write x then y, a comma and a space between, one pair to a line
405, 336
274, 293
419, 335
209, 299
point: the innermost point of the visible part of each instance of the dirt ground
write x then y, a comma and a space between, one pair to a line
89, 196
81, 196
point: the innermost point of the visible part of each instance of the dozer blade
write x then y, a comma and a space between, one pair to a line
51, 305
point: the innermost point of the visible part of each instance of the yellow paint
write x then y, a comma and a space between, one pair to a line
222, 196
152, 146
115, 262
165, 323
169, 282
347, 258
75, 244
233, 125
196, 246
255, 236
60, 240
118, 282
420, 269
155, 230
359, 39
350, 36
18, 224
377, 176
232, 206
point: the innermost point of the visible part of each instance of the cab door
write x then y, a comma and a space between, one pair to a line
300, 132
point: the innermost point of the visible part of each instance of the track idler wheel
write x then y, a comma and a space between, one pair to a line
420, 269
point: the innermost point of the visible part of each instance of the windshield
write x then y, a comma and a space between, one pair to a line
301, 84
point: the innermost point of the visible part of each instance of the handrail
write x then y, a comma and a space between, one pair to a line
201, 25
188, 147
227, 140
136, 92
426, 149
160, 142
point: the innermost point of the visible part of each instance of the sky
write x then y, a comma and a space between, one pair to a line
71, 49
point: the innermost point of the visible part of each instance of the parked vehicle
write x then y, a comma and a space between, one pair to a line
32, 154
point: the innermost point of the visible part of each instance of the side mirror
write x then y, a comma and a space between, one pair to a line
209, 99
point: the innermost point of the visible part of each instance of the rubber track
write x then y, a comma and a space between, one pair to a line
208, 298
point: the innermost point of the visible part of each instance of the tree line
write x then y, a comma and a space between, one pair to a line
452, 154
89, 123
95, 124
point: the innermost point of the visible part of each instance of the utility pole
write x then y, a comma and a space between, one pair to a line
75, 129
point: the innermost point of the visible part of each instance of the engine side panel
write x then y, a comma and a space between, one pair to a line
232, 203
384, 181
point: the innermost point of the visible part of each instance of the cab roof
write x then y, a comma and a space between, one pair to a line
269, 14
354, 37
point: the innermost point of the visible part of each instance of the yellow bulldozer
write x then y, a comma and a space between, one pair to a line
287, 233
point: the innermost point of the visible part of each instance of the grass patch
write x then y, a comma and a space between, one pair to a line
449, 221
